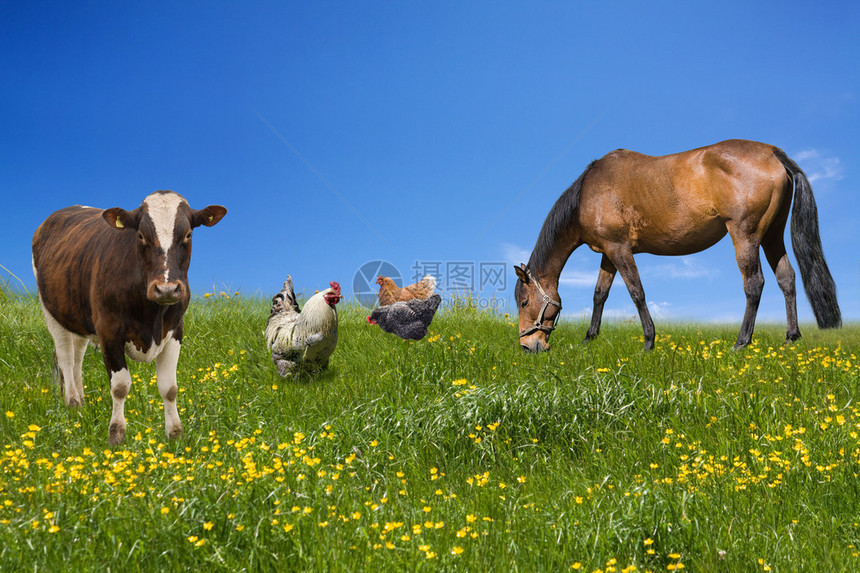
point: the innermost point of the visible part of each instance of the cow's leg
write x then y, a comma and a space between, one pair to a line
80, 349
165, 368
120, 384
69, 350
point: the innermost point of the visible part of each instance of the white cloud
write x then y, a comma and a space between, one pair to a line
577, 279
515, 254
582, 313
624, 314
684, 268
628, 313
660, 310
819, 167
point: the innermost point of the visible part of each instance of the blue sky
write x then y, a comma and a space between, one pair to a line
434, 133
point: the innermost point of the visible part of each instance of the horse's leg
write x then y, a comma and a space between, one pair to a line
622, 258
601, 291
749, 263
774, 250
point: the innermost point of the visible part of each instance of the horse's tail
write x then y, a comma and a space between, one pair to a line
806, 242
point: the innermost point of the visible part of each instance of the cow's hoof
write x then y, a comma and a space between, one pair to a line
175, 432
75, 403
117, 434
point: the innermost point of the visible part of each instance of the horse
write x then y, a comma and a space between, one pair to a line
627, 203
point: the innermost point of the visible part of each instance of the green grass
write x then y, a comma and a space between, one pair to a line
457, 452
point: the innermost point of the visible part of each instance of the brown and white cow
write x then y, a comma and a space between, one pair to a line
119, 279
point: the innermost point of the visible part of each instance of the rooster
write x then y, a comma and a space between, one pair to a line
409, 320
389, 293
302, 340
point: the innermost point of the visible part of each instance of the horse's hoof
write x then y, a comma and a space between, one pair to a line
791, 337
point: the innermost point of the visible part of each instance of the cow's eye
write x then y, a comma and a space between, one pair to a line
141, 238
187, 236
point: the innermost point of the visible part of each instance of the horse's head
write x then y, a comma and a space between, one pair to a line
539, 310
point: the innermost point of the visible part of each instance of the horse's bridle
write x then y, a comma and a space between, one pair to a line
547, 300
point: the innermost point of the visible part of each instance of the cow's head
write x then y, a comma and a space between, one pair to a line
163, 224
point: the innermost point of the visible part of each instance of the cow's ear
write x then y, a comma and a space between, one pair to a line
208, 216
119, 218
522, 273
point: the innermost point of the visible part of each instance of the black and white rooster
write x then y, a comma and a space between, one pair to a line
302, 340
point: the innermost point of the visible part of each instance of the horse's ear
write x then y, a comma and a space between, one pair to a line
522, 273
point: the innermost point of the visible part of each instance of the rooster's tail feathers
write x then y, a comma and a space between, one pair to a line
286, 299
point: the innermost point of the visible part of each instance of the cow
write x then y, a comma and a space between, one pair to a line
119, 279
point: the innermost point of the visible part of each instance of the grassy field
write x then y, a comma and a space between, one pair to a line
458, 452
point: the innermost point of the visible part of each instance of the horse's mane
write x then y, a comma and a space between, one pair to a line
559, 219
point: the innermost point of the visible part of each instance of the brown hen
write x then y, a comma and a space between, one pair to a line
389, 292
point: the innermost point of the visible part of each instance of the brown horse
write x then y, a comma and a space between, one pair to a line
628, 203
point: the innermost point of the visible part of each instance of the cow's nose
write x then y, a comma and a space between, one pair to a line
167, 289
168, 293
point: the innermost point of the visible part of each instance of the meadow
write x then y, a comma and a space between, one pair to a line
457, 452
